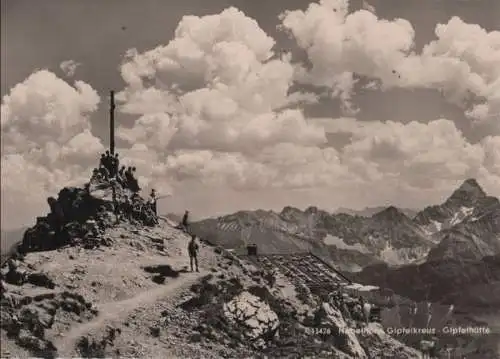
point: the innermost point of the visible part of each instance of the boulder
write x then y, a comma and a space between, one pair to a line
252, 316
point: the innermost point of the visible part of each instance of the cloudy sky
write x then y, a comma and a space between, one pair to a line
231, 105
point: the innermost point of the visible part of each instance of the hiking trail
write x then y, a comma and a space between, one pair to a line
110, 311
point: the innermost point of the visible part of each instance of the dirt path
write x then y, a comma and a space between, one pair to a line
119, 309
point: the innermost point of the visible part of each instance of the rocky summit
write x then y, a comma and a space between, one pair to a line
103, 276
87, 213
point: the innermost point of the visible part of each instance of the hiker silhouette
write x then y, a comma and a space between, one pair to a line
193, 253
184, 224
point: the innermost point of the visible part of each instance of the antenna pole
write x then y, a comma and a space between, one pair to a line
112, 123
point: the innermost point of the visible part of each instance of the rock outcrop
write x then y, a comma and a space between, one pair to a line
18, 276
329, 315
237, 312
85, 213
27, 318
254, 317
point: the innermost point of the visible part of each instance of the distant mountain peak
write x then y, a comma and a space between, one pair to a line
370, 211
390, 213
468, 192
471, 183
311, 209
290, 209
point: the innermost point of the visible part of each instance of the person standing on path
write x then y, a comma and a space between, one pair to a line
193, 252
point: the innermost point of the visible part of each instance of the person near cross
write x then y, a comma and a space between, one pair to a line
152, 200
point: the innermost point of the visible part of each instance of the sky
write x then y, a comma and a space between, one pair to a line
230, 105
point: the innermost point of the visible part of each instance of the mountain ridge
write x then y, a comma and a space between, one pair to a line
370, 211
388, 235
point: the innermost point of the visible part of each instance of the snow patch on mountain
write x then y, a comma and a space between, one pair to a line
460, 215
395, 257
338, 242
361, 287
432, 228
352, 268
279, 225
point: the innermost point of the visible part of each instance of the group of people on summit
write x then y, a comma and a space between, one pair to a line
109, 167
130, 207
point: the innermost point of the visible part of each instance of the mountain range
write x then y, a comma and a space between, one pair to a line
446, 253
370, 211
466, 226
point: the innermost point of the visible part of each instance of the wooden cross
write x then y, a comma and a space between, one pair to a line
112, 123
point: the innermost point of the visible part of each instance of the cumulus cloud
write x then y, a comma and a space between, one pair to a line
69, 67
462, 62
231, 104
339, 44
230, 119
46, 142
215, 111
284, 165
420, 155
491, 145
467, 58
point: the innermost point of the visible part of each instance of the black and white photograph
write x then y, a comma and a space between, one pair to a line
206, 179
